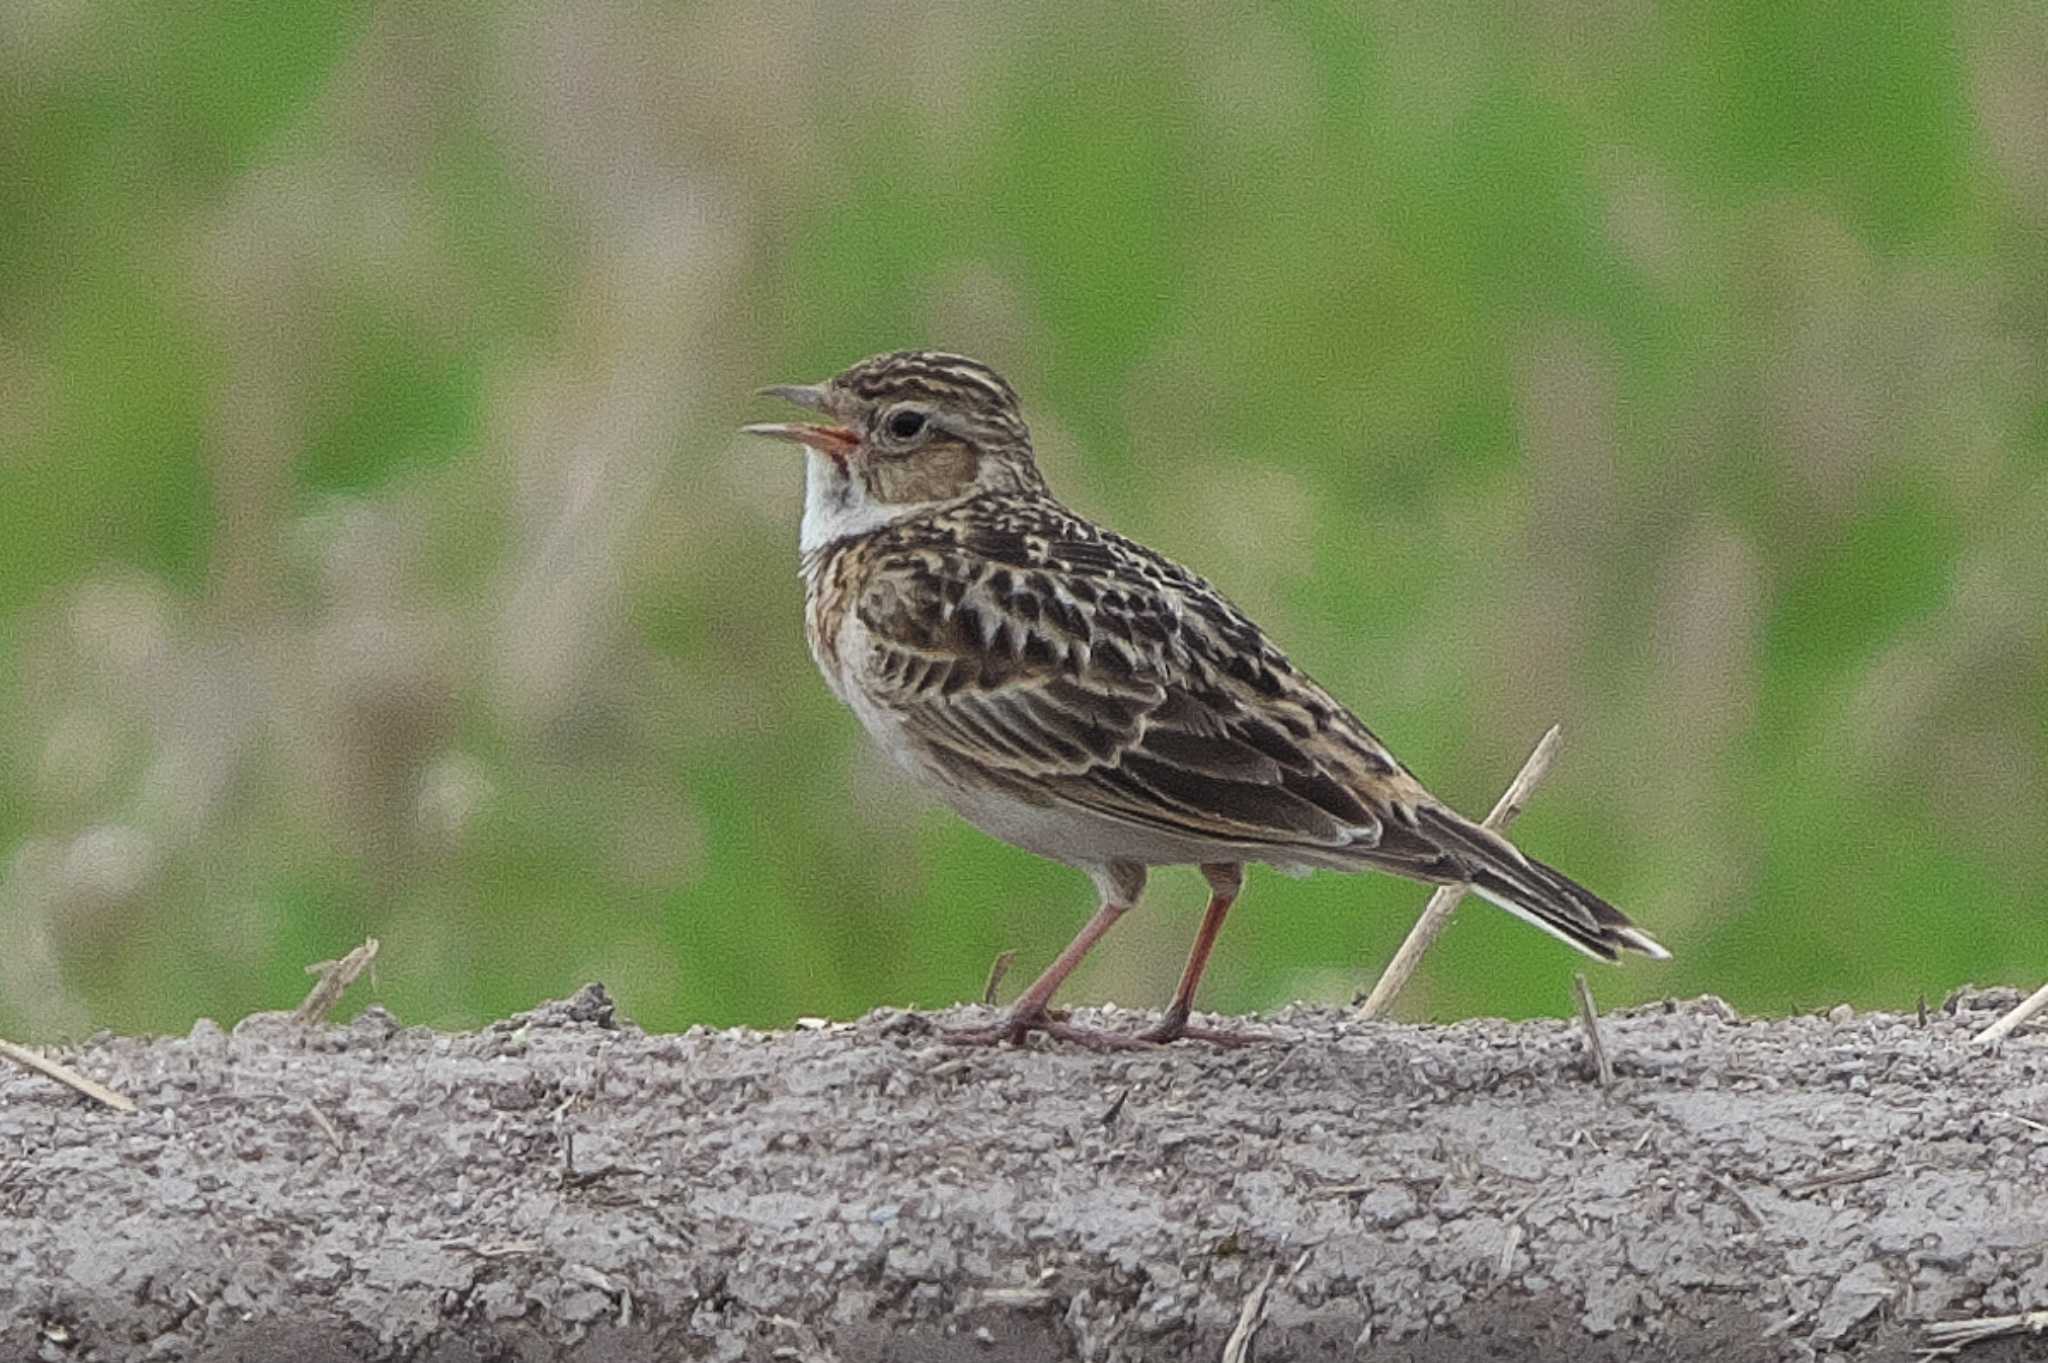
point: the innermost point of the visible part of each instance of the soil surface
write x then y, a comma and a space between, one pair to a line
561, 1185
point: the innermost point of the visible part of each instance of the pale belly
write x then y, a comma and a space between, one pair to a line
1076, 837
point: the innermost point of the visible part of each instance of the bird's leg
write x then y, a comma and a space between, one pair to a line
1121, 883
1225, 880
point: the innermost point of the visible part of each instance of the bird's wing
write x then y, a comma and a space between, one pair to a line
1035, 651
1085, 670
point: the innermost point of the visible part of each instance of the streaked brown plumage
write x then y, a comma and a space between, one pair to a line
1088, 699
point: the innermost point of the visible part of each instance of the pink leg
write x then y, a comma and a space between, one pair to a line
1030, 1012
1121, 884
1225, 881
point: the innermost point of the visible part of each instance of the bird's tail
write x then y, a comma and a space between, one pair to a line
1500, 874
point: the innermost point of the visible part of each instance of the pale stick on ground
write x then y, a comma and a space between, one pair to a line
1949, 1337
997, 968
1437, 912
335, 977
64, 1074
1238, 1348
2002, 1028
1589, 1018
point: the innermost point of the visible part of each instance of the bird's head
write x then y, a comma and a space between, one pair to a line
905, 431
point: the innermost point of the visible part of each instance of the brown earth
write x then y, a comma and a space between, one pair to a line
562, 1185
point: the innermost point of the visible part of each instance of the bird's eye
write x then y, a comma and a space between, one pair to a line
905, 422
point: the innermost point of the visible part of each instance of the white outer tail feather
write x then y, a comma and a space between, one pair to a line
1637, 938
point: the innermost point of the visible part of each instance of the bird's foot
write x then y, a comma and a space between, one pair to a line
1014, 1026
1174, 1026
1018, 1023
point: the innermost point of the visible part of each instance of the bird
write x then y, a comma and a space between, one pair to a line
1078, 695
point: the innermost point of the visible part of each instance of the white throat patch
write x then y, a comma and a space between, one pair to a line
836, 506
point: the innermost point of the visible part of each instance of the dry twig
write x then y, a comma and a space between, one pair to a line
65, 1075
320, 1120
1739, 1198
997, 968
1836, 1180
1949, 1337
1437, 912
2004, 1027
335, 977
1517, 1231
1238, 1348
1589, 1018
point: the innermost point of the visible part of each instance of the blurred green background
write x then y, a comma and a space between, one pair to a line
378, 555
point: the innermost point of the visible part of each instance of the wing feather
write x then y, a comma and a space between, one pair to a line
1128, 722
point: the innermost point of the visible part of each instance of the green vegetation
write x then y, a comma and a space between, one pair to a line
377, 555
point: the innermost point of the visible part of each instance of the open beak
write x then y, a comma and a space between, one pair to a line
834, 441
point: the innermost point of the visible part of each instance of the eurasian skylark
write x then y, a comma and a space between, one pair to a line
1082, 697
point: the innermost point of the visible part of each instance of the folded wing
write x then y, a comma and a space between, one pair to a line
1067, 708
